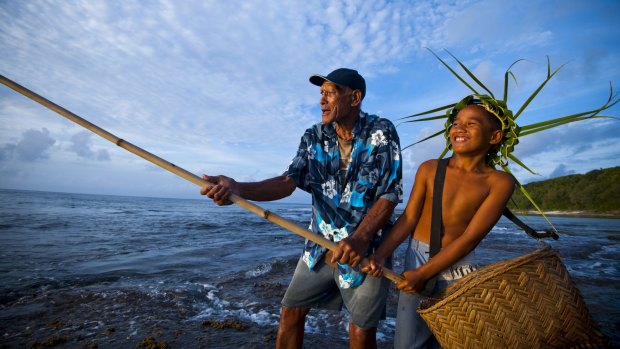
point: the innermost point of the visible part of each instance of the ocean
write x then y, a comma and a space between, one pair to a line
96, 271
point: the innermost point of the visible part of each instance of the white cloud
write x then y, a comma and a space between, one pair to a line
488, 27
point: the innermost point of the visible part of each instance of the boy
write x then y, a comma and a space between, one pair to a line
474, 197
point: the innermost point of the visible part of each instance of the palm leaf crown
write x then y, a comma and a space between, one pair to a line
501, 154
497, 155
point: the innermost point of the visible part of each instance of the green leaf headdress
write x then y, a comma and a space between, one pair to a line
501, 154
497, 155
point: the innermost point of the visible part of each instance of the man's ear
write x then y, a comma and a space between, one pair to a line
357, 98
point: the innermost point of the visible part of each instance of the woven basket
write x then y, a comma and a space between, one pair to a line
526, 302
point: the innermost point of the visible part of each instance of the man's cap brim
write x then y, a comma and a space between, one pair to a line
318, 80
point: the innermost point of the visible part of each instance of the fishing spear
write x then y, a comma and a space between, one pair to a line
268, 215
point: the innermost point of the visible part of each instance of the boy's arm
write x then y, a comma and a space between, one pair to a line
482, 222
405, 224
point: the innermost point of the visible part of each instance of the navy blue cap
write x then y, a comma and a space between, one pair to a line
342, 76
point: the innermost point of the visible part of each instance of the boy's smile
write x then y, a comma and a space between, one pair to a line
472, 131
458, 139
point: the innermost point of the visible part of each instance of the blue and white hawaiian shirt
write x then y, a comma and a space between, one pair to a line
375, 171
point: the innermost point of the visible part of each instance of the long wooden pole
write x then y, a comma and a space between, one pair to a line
270, 216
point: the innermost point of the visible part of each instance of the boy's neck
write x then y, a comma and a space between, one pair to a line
475, 163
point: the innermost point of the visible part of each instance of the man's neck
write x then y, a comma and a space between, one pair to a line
345, 126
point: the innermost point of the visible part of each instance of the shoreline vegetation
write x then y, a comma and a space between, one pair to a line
593, 194
572, 213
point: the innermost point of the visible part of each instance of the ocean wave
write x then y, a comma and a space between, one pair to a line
506, 231
594, 271
295, 209
202, 226
207, 286
608, 252
259, 270
335, 324
52, 225
124, 212
220, 309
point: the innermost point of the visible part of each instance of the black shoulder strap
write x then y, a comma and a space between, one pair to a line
550, 233
440, 176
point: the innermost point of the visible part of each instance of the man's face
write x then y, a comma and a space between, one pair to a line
472, 131
335, 102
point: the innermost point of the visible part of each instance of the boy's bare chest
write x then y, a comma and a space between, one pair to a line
465, 193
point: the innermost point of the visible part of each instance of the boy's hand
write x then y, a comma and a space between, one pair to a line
374, 266
413, 283
351, 251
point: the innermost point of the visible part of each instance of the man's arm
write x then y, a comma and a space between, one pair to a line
352, 250
267, 190
481, 223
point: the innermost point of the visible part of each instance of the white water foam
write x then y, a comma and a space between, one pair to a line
221, 309
261, 269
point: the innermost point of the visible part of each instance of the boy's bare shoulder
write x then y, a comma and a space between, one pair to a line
501, 178
431, 162
427, 167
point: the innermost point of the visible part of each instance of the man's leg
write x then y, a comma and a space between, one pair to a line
360, 338
307, 289
366, 304
291, 328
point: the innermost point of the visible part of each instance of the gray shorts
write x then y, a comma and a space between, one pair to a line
319, 288
411, 330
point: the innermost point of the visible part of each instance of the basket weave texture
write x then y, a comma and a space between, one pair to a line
526, 302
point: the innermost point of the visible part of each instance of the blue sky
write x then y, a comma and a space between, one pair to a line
221, 87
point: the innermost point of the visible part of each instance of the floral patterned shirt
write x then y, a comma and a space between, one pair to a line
338, 206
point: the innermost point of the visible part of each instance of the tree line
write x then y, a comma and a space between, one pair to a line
597, 190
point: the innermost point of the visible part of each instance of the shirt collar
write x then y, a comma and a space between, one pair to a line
330, 129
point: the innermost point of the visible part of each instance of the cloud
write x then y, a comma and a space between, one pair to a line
224, 86
6, 151
574, 138
483, 26
561, 170
34, 145
216, 67
81, 145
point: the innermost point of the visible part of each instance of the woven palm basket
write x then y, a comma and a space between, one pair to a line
526, 302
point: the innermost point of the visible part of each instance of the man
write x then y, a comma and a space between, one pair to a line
473, 199
350, 164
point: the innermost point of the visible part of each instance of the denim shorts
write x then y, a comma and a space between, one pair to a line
411, 330
318, 288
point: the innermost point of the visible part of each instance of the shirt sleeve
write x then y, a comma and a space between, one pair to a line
390, 185
298, 168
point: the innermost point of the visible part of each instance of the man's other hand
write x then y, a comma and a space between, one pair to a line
350, 251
